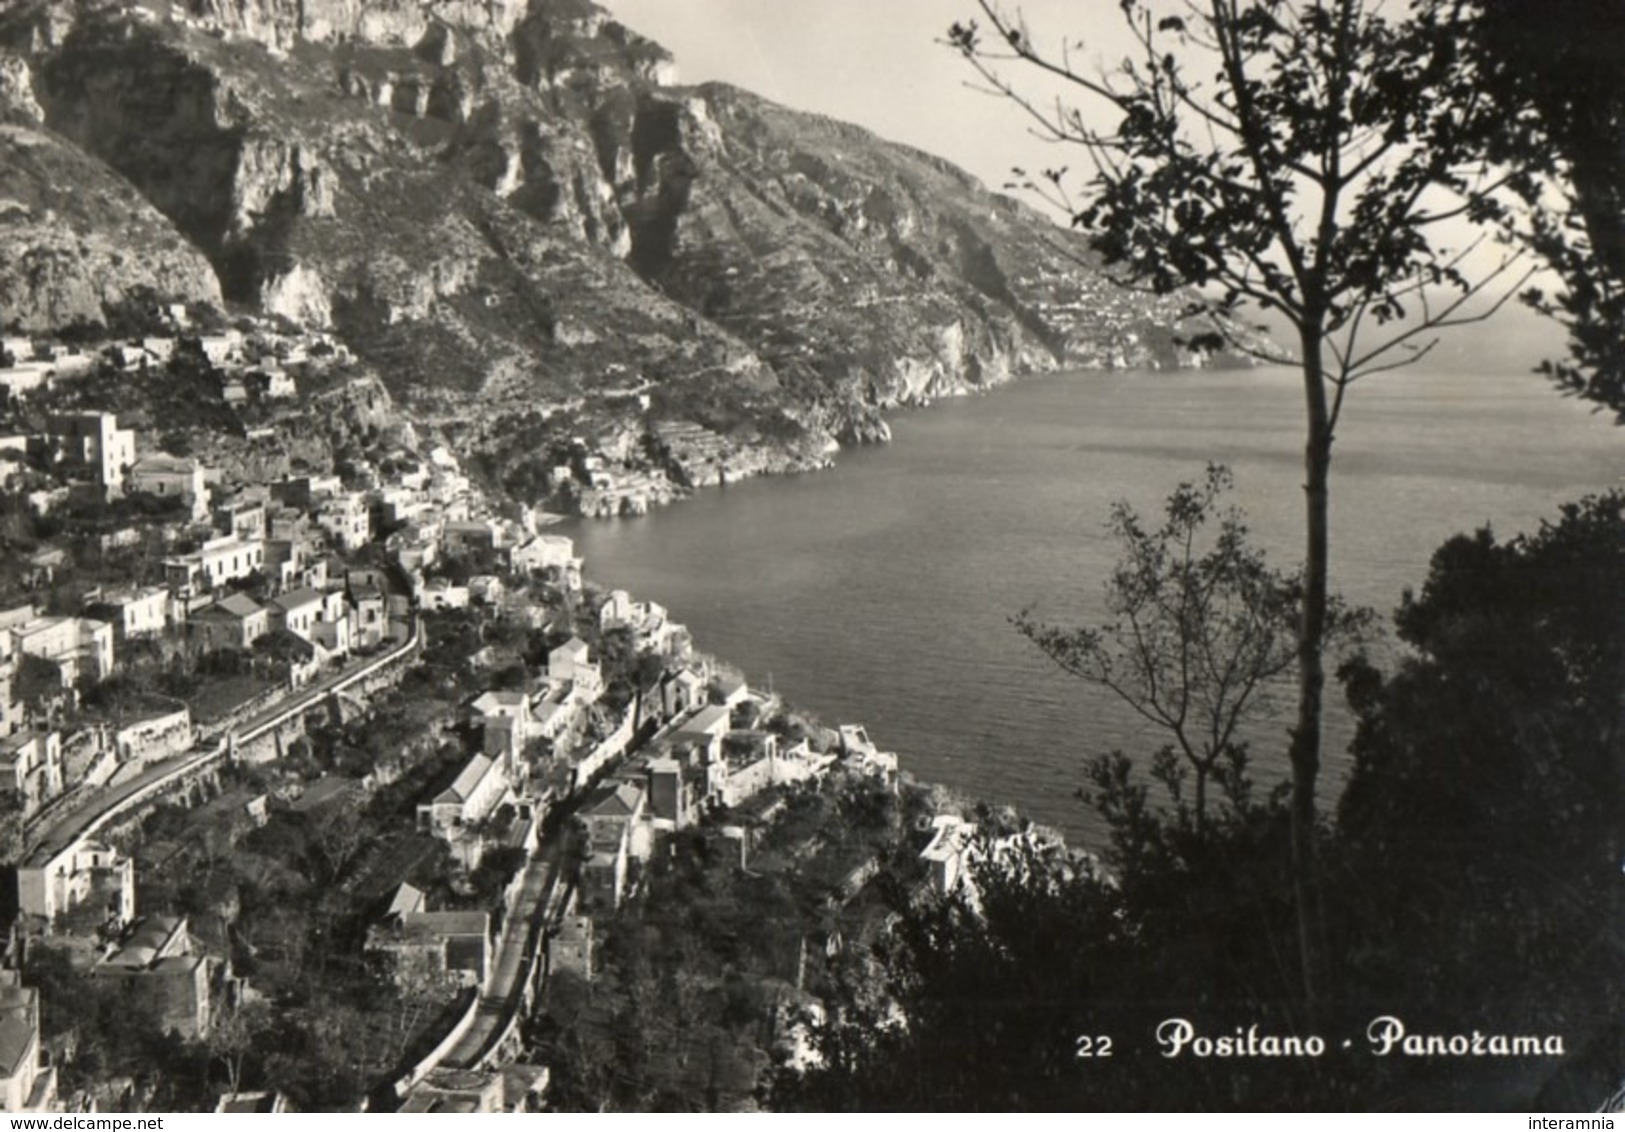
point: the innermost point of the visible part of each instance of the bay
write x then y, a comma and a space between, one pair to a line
880, 591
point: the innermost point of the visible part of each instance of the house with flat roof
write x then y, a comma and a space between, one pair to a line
242, 516
370, 614
80, 646
613, 816
56, 879
549, 555
133, 611
347, 519
948, 852
92, 446
218, 561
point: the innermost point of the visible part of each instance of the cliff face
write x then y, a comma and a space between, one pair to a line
79, 246
511, 212
867, 268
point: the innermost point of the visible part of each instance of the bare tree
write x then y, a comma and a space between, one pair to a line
338, 836
233, 1032
1303, 157
421, 984
1202, 629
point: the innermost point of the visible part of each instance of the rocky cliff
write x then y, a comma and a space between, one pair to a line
513, 213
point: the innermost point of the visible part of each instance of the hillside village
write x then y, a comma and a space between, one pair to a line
355, 757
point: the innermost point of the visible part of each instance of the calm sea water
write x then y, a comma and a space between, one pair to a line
880, 591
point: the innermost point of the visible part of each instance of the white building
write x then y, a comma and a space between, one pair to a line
141, 611
478, 789
27, 1080
545, 553
347, 519
220, 560
171, 477
81, 647
31, 764
948, 853
48, 886
297, 612
568, 665
92, 444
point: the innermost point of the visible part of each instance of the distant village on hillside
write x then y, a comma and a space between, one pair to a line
367, 723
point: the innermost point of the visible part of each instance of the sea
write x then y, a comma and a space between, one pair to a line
881, 591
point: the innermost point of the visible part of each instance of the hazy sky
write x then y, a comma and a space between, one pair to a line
879, 63
882, 64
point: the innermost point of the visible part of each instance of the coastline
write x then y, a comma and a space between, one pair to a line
696, 458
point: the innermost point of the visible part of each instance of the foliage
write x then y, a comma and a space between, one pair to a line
338, 834
697, 975
1481, 822
12, 841
496, 870
985, 1002
234, 1031
90, 1022
1549, 69
1202, 630
422, 985
1291, 158
1476, 856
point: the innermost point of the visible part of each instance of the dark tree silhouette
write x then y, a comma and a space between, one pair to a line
1480, 829
1551, 70
1305, 159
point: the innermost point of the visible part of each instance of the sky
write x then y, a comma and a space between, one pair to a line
879, 63
883, 64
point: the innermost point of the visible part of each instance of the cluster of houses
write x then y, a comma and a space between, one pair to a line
298, 573
156, 969
255, 561
304, 572
697, 761
256, 363
248, 563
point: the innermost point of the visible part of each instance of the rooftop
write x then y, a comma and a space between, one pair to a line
145, 943
704, 720
408, 898
259, 1101
624, 801
470, 777
297, 599
163, 462
496, 698
17, 1035
450, 923
238, 605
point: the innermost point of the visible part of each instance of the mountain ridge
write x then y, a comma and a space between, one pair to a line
517, 217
